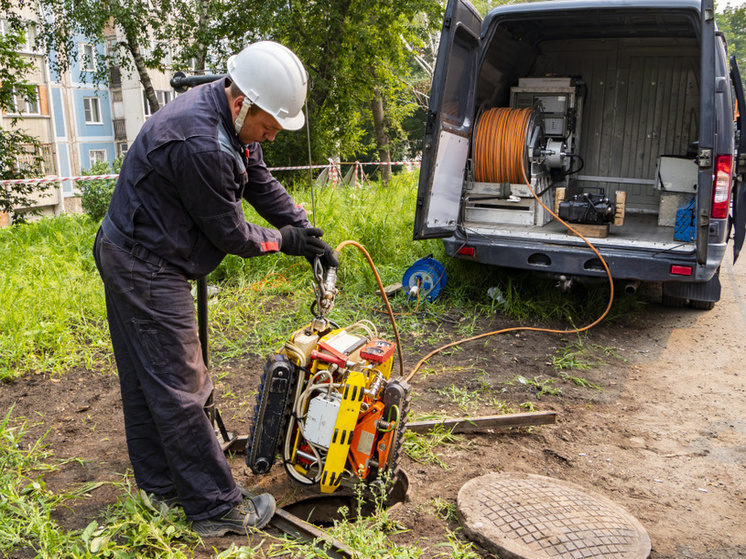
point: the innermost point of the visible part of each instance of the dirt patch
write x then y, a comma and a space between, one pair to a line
664, 437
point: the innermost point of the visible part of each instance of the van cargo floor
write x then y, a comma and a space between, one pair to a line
639, 231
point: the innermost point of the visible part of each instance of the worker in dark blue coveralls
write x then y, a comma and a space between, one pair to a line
174, 215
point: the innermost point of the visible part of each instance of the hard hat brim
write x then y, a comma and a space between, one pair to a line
292, 123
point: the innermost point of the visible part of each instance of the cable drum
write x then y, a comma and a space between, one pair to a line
502, 139
424, 279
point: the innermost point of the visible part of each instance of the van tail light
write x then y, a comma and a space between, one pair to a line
721, 186
466, 251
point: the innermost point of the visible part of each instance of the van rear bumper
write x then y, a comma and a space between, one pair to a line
628, 263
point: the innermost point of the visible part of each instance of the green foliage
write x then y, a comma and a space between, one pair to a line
134, 527
16, 147
96, 194
462, 397
542, 386
421, 448
53, 316
14, 67
26, 504
732, 22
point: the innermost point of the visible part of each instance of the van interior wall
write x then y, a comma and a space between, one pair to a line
642, 101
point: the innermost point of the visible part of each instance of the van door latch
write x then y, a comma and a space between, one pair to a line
704, 158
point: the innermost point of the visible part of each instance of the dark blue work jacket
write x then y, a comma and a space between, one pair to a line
180, 187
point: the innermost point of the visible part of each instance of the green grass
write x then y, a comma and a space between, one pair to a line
422, 447
52, 317
53, 313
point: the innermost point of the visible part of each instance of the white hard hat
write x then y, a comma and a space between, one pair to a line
273, 78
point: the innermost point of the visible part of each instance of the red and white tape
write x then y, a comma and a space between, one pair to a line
58, 179
272, 169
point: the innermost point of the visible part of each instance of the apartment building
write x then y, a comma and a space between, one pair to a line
77, 121
33, 115
82, 116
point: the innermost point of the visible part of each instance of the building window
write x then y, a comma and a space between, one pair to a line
162, 96
27, 35
25, 103
96, 156
29, 43
87, 57
121, 149
92, 107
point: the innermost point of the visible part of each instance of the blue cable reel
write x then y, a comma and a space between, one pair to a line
424, 279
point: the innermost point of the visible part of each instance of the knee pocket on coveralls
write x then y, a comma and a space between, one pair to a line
117, 267
151, 340
174, 353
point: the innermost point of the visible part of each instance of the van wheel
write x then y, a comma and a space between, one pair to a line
702, 305
673, 302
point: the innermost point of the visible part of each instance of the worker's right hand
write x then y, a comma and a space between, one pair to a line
303, 241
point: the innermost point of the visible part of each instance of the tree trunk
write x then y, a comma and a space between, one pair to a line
382, 140
134, 48
202, 25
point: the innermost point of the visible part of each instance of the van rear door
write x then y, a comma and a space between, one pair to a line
449, 123
738, 220
706, 128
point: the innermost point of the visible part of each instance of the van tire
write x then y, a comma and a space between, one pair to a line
673, 302
702, 305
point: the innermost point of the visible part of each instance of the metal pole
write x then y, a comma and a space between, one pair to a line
202, 319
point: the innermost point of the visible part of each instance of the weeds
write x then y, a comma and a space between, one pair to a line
581, 355
580, 381
421, 448
462, 397
542, 386
444, 510
458, 549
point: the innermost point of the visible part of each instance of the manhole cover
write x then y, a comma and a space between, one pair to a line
535, 517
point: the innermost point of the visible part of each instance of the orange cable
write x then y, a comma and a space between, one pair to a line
505, 129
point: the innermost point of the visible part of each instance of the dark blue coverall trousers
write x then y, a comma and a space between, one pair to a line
163, 378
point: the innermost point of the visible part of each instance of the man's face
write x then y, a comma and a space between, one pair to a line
258, 127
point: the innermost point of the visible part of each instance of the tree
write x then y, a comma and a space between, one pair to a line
142, 39
357, 56
732, 22
15, 160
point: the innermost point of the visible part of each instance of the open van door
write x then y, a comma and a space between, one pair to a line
445, 147
706, 155
738, 218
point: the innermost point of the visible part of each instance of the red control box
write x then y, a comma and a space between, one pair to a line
378, 351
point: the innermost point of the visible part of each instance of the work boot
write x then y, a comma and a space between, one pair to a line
254, 513
170, 499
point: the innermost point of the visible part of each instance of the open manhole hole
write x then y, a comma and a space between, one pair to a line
323, 509
524, 516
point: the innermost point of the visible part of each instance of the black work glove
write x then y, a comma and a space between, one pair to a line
306, 241
328, 260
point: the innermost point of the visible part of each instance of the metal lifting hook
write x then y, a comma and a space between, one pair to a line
325, 289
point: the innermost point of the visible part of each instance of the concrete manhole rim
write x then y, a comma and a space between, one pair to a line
515, 540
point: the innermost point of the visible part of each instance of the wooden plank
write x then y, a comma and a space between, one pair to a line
485, 423
559, 197
299, 528
592, 230
620, 209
